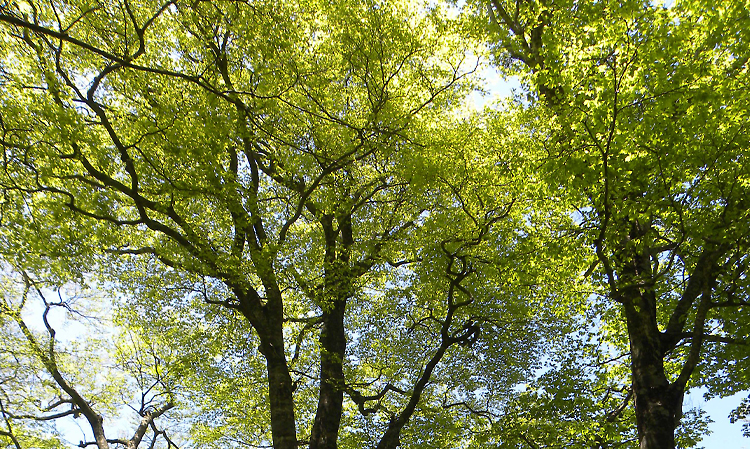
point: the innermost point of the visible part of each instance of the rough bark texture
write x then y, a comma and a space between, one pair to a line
658, 402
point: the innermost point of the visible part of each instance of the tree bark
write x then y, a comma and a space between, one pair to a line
327, 422
336, 291
658, 404
268, 322
281, 402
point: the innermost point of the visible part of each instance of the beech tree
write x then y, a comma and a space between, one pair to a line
644, 118
46, 376
305, 239
293, 203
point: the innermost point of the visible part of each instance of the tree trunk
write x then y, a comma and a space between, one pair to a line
327, 422
283, 426
657, 417
658, 409
658, 404
268, 322
337, 289
392, 437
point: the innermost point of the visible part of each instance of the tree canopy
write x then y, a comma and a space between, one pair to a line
647, 120
274, 224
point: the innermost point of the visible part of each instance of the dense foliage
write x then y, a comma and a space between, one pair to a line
277, 224
646, 116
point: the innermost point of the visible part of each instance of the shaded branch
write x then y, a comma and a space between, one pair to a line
702, 272
360, 399
612, 416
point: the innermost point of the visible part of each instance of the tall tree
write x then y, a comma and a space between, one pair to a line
302, 168
648, 135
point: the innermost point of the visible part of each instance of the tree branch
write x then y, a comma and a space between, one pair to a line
612, 416
146, 420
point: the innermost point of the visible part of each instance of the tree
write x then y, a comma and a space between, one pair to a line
643, 113
46, 376
299, 174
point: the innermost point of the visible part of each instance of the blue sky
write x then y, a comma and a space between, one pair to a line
724, 434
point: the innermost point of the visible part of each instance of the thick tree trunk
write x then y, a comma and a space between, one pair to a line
268, 322
327, 422
392, 437
658, 409
337, 289
658, 404
657, 417
283, 426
